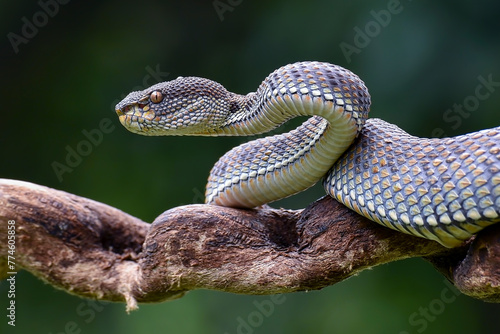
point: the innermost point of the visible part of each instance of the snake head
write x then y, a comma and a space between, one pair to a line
184, 106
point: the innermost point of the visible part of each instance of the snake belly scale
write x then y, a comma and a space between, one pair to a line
441, 189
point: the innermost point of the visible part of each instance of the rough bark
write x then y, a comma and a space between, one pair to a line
93, 250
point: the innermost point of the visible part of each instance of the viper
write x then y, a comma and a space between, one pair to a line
443, 189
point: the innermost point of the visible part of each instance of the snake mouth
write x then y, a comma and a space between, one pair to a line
134, 118
119, 112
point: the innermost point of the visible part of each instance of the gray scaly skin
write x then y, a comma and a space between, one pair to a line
441, 189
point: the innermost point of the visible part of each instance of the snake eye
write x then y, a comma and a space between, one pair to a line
156, 96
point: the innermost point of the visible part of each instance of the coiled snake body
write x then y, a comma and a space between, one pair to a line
440, 189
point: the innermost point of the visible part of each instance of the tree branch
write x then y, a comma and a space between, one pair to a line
93, 250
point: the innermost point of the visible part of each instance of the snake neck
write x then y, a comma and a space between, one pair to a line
246, 117
257, 113
271, 168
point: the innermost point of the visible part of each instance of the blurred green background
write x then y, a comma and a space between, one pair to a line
62, 78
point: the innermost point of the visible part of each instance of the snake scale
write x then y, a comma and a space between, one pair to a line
441, 189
